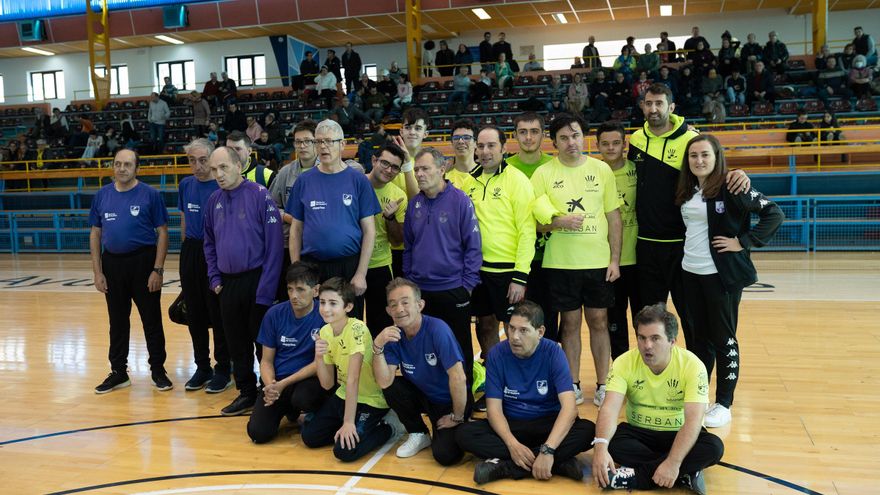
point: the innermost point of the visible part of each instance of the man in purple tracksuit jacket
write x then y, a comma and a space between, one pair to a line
243, 248
441, 226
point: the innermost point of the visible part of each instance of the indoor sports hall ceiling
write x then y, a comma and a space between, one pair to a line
329, 23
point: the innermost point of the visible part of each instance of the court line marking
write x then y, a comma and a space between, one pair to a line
346, 488
728, 465
267, 486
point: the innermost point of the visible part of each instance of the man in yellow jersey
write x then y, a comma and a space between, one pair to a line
389, 230
658, 152
662, 443
502, 197
464, 143
252, 170
577, 203
611, 137
529, 133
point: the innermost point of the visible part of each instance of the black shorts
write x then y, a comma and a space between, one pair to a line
490, 297
571, 289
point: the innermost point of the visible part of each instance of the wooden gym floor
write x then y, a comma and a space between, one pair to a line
806, 416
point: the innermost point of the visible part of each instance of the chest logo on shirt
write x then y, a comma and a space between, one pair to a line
542, 387
135, 210
315, 333
671, 154
719, 207
346, 199
194, 208
496, 193
317, 205
673, 393
431, 358
289, 341
639, 384
575, 204
444, 217
558, 184
108, 216
218, 207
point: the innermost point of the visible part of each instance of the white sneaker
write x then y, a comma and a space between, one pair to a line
415, 443
397, 428
599, 396
578, 394
717, 416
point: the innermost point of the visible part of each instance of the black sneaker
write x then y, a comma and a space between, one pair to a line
569, 468
240, 405
497, 469
161, 381
199, 379
116, 379
219, 382
480, 405
623, 479
694, 482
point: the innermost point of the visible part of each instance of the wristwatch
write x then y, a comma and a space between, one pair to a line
457, 420
159, 270
545, 449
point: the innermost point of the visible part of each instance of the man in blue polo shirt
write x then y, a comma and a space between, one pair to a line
202, 305
432, 377
533, 426
332, 206
287, 368
128, 243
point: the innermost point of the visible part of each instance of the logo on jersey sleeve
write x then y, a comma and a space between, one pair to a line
719, 207
316, 332
431, 358
542, 387
135, 210
346, 199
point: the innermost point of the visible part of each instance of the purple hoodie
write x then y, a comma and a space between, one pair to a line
243, 232
445, 234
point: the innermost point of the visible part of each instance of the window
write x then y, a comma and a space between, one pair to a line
372, 71
247, 70
560, 57
118, 80
47, 85
2, 90
181, 72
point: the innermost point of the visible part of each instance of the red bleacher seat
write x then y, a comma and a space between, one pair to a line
788, 108
542, 91
488, 120
495, 107
262, 95
737, 110
424, 97
444, 123
245, 97
566, 78
278, 95
525, 81
513, 106
762, 108
432, 85
620, 114
796, 65
779, 78
449, 84
500, 93
143, 104
866, 105
785, 93
544, 79
838, 106
814, 106
473, 108
434, 110
520, 93
507, 120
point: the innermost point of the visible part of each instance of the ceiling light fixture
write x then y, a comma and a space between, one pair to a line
168, 39
37, 51
560, 18
666, 10
316, 26
481, 13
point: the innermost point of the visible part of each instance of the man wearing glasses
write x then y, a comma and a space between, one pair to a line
306, 157
463, 145
332, 206
389, 230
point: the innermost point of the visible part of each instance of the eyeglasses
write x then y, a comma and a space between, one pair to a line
304, 142
390, 166
327, 142
464, 138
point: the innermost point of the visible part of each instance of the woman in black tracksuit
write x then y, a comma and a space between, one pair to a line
716, 265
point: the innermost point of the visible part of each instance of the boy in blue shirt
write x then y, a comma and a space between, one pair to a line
288, 334
533, 428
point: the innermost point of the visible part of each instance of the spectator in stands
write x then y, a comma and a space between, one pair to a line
251, 170
334, 65
428, 54
264, 151
750, 53
713, 97
648, 62
727, 59
201, 113
775, 53
666, 78
823, 56
213, 133
445, 60
630, 43
829, 130
799, 131
502, 46
394, 73
690, 96
111, 142
668, 47
846, 58
578, 63
365, 83
640, 87
385, 86
351, 62
276, 135
625, 64
486, 57
690, 44
58, 126
463, 57
129, 135
92, 146
591, 54
350, 117
308, 69
157, 116
228, 89
503, 72
375, 104
169, 92
735, 87
254, 129
404, 92
600, 91
556, 93
578, 95
860, 77
325, 86
234, 119
80, 134
760, 85
621, 94
482, 89
532, 65
832, 82
211, 91
461, 89
702, 59
864, 45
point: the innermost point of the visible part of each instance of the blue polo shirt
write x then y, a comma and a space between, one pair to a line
331, 207
191, 199
528, 388
128, 220
293, 339
425, 359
